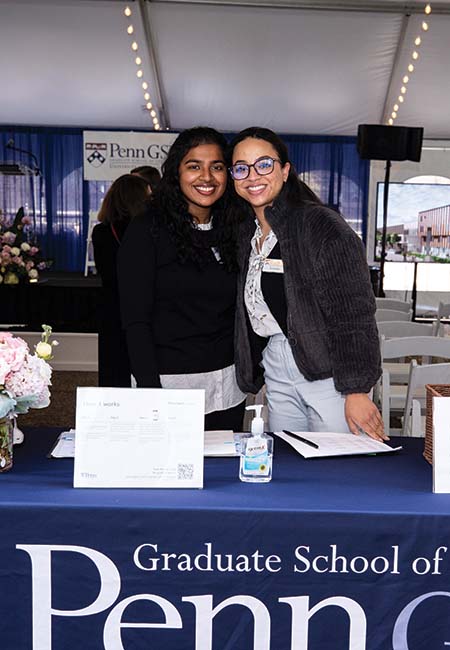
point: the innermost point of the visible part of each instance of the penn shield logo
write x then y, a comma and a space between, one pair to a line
96, 157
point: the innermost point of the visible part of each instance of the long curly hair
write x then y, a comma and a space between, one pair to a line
295, 191
172, 207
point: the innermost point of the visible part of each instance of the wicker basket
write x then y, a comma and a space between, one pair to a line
433, 390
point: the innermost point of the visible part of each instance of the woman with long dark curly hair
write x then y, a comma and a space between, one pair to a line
177, 279
305, 307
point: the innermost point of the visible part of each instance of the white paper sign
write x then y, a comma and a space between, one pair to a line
139, 437
441, 445
109, 154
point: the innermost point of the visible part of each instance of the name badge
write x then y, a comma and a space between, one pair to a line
273, 266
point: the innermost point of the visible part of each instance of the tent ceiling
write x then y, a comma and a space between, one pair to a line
295, 66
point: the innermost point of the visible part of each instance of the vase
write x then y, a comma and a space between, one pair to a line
6, 444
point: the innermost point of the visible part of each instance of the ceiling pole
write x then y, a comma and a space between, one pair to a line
395, 66
359, 6
157, 90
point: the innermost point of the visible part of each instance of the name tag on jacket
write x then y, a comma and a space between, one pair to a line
273, 266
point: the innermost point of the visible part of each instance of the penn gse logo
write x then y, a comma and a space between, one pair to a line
96, 158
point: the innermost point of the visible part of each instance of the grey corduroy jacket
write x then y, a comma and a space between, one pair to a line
331, 307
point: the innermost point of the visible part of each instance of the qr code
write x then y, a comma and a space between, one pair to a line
185, 471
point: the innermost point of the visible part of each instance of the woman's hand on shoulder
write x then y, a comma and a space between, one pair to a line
363, 416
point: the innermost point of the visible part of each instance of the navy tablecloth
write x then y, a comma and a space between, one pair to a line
332, 554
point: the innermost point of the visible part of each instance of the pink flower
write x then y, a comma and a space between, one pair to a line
6, 249
26, 221
13, 351
29, 265
33, 250
33, 378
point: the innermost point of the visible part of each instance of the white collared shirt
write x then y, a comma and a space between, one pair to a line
261, 318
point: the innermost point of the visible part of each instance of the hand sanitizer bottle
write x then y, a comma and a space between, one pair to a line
256, 451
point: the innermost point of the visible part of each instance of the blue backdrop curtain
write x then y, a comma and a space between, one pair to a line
59, 200
332, 168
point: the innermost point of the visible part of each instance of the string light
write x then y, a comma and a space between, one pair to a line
410, 68
140, 73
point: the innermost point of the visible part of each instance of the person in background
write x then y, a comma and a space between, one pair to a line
150, 174
177, 280
124, 199
305, 306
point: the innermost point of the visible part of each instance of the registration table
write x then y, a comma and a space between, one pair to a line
333, 554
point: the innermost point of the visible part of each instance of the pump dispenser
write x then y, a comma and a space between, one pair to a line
256, 451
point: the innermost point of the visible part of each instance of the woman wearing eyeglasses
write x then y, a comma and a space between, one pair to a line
177, 280
305, 306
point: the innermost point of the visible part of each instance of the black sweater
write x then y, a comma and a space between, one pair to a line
330, 303
179, 318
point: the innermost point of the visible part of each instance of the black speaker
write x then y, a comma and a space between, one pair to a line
379, 142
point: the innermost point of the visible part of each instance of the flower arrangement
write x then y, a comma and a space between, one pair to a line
24, 377
21, 259
24, 383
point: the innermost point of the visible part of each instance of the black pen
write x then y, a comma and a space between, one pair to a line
307, 442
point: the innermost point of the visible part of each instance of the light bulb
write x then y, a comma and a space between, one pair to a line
418, 41
393, 114
401, 99
146, 96
427, 9
425, 26
157, 127
130, 29
139, 73
395, 107
403, 90
410, 68
415, 55
405, 79
127, 11
149, 105
144, 85
134, 46
138, 60
153, 113
390, 121
155, 120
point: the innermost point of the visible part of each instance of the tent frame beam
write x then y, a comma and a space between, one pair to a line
382, 6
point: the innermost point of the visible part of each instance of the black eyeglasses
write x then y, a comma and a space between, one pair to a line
262, 166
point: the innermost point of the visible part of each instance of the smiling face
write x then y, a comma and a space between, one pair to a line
259, 191
203, 179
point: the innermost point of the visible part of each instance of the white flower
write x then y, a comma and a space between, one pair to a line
33, 273
25, 247
15, 251
44, 350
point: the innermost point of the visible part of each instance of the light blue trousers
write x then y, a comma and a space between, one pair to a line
295, 403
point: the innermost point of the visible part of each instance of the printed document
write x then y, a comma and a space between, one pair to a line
335, 444
139, 437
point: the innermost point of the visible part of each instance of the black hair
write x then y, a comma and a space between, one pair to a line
173, 207
296, 191
148, 173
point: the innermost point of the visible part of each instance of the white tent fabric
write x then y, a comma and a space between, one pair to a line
293, 68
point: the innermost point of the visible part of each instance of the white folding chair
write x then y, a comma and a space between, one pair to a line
390, 303
399, 328
392, 314
419, 377
393, 394
442, 312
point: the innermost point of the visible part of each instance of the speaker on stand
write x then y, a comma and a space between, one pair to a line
380, 142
